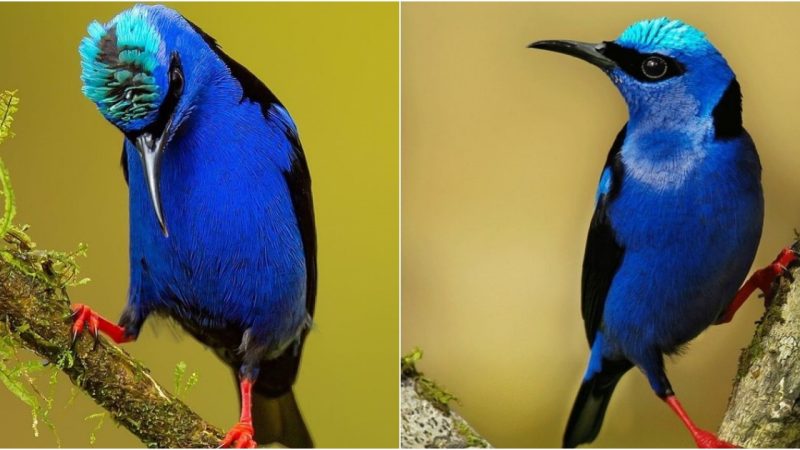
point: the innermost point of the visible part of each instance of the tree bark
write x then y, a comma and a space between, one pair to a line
37, 311
426, 418
764, 407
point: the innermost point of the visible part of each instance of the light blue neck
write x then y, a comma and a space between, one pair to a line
668, 137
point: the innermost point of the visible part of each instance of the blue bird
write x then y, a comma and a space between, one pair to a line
678, 214
222, 235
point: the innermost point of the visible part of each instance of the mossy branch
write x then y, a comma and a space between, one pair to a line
35, 309
35, 313
764, 407
426, 418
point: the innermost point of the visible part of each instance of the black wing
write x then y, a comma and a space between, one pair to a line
299, 181
603, 253
278, 375
123, 161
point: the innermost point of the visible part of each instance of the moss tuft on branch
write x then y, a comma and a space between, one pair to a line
426, 418
34, 307
35, 313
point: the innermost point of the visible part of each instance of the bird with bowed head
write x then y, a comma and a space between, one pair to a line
222, 235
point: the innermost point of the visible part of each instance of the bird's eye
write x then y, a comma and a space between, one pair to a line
176, 81
654, 67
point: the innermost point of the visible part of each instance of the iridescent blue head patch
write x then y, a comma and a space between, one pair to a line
658, 35
118, 63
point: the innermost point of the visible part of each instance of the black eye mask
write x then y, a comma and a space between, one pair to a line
644, 67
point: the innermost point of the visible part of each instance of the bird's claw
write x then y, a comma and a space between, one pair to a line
240, 436
83, 316
704, 439
781, 267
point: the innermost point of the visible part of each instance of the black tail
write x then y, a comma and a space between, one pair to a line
278, 419
590, 405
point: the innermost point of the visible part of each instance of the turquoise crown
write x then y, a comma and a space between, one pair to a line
664, 34
118, 62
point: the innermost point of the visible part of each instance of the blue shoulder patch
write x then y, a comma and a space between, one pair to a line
604, 187
279, 117
280, 113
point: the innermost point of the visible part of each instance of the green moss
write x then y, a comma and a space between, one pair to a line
19, 376
100, 418
470, 437
408, 363
183, 386
56, 269
439, 397
8, 106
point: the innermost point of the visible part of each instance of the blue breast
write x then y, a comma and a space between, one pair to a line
234, 258
690, 235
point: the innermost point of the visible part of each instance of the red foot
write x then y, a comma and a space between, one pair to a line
83, 316
240, 436
704, 439
766, 276
762, 279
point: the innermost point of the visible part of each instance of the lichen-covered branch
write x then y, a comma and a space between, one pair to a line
427, 420
34, 309
764, 407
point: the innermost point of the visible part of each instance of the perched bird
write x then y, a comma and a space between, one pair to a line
678, 214
222, 236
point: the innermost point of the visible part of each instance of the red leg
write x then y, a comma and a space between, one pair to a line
82, 315
241, 435
762, 279
702, 438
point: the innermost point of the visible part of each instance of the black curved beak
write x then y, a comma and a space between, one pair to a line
592, 53
150, 149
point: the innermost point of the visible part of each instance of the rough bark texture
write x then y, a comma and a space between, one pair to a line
764, 408
36, 311
427, 420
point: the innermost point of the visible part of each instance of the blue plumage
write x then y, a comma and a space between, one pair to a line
678, 216
222, 227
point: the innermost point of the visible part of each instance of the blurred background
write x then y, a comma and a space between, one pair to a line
335, 67
502, 150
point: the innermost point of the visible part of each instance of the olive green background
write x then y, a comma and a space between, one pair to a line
335, 67
502, 150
